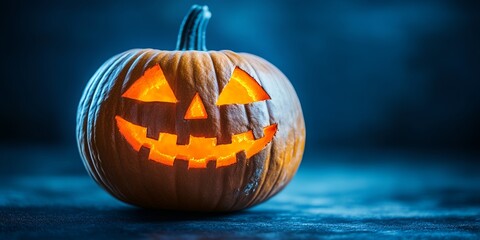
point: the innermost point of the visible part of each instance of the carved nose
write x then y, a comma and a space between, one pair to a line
196, 110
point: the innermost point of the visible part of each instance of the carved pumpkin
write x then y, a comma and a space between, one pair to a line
190, 129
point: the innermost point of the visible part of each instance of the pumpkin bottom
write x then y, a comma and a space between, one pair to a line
178, 187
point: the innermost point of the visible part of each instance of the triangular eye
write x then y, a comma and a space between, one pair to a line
241, 89
151, 87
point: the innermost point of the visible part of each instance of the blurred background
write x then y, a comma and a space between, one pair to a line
371, 75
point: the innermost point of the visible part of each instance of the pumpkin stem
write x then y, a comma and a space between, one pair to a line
193, 28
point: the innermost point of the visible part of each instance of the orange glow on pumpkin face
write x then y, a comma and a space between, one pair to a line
196, 110
153, 87
241, 89
199, 151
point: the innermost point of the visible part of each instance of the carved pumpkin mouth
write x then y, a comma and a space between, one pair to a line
199, 151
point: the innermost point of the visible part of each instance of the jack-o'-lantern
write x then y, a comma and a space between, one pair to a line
190, 129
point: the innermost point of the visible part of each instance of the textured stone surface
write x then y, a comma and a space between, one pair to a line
333, 196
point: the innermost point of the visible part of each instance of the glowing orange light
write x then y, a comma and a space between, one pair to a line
241, 89
151, 87
196, 110
199, 151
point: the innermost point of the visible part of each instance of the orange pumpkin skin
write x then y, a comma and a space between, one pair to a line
132, 176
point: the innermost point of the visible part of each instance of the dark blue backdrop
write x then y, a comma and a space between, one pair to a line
369, 74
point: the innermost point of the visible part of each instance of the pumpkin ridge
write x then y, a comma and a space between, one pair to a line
265, 171
82, 115
235, 65
220, 125
225, 124
176, 170
153, 58
264, 63
92, 151
270, 151
104, 120
248, 113
129, 66
242, 181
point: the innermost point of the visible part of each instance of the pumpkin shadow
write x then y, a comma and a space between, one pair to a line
156, 216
